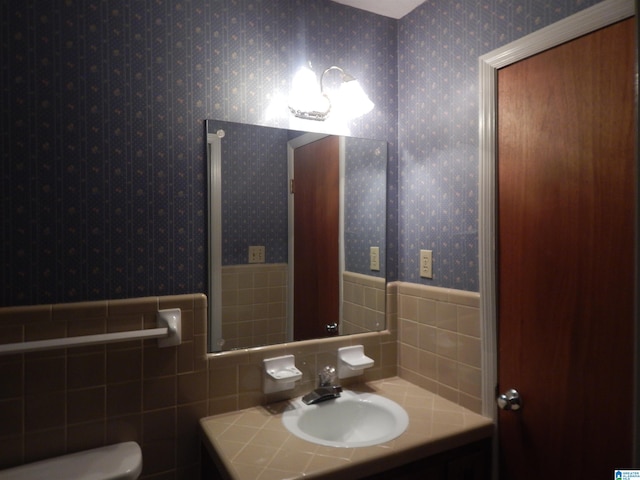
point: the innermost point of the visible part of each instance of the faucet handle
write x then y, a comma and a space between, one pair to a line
327, 376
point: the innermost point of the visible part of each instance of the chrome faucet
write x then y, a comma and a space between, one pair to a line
326, 389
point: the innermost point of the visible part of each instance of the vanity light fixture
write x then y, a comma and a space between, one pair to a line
310, 104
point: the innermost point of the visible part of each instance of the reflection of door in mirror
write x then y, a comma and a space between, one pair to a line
316, 238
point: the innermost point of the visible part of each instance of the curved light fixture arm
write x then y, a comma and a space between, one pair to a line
319, 114
344, 76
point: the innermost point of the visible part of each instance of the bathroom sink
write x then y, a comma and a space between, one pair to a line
352, 420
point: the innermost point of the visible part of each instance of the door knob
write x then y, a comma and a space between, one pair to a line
332, 328
510, 400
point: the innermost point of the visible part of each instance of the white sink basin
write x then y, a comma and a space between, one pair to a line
353, 420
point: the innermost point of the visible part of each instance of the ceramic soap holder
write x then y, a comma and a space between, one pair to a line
352, 361
280, 374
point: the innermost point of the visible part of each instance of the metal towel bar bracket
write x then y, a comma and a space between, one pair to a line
168, 333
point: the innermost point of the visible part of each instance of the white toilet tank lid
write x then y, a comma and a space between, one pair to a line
122, 461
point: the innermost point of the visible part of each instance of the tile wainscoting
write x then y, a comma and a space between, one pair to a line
61, 401
439, 342
254, 304
363, 303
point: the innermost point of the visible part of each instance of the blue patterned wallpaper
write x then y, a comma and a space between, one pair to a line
103, 151
254, 192
439, 45
103, 102
364, 204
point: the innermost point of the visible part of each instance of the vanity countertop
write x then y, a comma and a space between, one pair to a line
253, 444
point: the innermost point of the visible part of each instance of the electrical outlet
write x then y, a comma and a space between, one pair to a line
256, 254
426, 264
374, 259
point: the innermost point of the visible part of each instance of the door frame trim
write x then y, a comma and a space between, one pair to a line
581, 23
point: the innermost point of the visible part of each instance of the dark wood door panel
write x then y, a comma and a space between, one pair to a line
566, 176
316, 232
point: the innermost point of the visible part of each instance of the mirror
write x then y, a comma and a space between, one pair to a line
276, 274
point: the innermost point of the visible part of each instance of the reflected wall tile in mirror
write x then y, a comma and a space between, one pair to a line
254, 308
363, 310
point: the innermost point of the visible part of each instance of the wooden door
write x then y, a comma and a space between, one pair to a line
316, 238
566, 196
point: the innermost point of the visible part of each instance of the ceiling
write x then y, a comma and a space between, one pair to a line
388, 8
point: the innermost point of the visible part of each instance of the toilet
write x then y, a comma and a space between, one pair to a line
122, 461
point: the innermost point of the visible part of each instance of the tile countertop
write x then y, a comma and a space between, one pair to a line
253, 444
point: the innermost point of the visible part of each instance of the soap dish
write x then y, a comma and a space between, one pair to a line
286, 374
352, 361
280, 373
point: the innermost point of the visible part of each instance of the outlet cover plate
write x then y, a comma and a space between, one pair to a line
374, 259
256, 254
426, 263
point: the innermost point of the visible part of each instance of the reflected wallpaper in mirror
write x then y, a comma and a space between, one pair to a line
251, 294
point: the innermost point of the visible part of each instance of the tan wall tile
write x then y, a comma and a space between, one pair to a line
114, 393
448, 343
